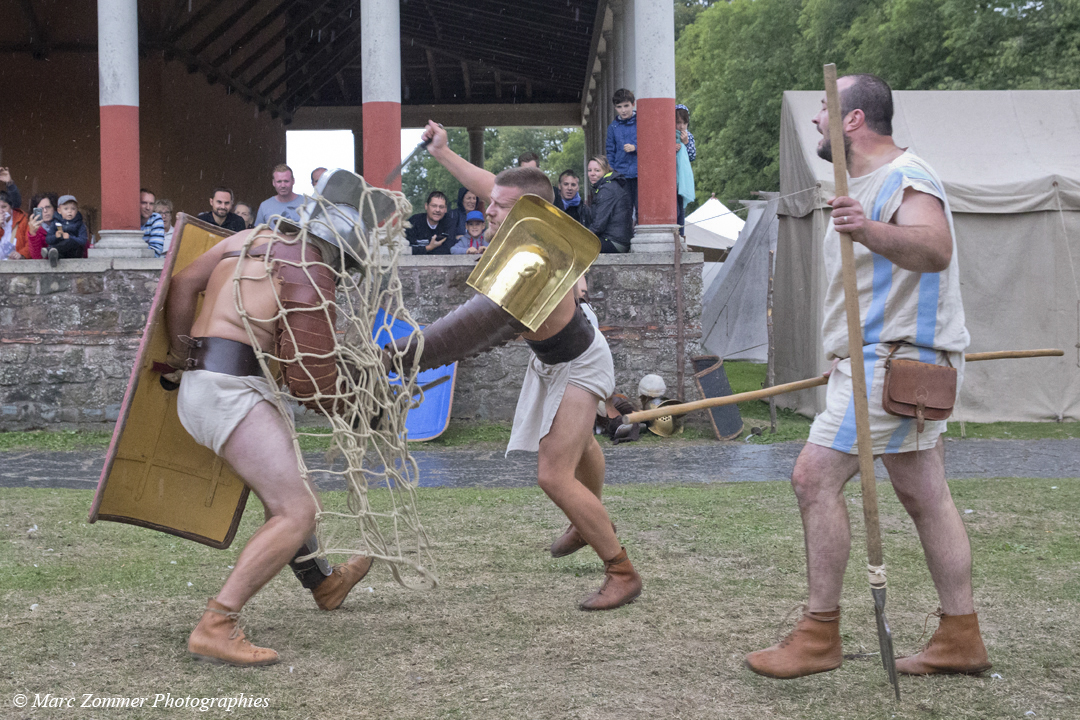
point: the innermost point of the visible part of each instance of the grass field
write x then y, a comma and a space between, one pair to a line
107, 608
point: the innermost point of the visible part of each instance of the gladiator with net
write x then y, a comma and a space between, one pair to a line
287, 316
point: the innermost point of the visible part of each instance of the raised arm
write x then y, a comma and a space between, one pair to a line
476, 179
916, 239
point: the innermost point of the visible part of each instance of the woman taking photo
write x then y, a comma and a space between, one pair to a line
612, 207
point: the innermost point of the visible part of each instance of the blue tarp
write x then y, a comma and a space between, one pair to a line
429, 420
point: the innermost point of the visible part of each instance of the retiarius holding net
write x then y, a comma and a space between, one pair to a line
270, 289
571, 370
909, 297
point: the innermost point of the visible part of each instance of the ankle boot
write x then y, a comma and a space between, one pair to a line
218, 639
570, 542
812, 647
621, 585
955, 647
331, 592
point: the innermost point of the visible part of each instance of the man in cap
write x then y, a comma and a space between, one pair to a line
226, 404
571, 372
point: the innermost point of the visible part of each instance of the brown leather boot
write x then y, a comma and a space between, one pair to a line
955, 647
218, 639
621, 585
812, 647
331, 592
570, 542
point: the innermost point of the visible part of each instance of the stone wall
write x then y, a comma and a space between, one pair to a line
68, 335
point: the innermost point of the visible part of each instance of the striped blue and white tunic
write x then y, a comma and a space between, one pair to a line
921, 310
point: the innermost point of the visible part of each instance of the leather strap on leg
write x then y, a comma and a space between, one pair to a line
313, 571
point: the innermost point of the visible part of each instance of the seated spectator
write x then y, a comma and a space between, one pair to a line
14, 196
221, 213
244, 210
612, 207
71, 236
164, 208
529, 159
466, 203
153, 226
472, 242
33, 243
430, 229
12, 223
568, 198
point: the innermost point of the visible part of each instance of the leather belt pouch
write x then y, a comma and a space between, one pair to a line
918, 390
219, 355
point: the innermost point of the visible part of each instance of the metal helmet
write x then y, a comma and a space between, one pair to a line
339, 219
666, 425
651, 386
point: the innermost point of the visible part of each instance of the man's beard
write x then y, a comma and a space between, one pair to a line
825, 151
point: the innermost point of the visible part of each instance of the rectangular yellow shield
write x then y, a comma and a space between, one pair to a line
155, 474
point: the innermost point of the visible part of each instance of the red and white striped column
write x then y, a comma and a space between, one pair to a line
654, 37
380, 28
118, 94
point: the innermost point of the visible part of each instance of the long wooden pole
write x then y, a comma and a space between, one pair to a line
682, 409
874, 555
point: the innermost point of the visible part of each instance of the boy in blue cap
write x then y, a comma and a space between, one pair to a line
472, 242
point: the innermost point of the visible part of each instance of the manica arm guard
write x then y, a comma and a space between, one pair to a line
474, 327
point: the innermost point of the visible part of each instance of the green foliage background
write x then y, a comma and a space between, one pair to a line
558, 148
735, 59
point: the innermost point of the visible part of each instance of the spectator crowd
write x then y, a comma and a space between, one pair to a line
53, 228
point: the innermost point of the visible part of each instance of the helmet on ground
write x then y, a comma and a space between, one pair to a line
665, 425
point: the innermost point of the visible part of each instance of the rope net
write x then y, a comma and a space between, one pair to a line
366, 408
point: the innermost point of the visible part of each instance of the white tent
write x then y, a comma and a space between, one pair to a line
713, 226
712, 229
1010, 163
734, 305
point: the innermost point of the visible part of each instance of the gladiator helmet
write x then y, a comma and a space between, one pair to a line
340, 217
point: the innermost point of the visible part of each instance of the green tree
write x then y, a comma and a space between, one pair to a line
735, 60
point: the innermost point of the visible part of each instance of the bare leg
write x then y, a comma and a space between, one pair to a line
562, 452
260, 450
818, 480
590, 469
919, 481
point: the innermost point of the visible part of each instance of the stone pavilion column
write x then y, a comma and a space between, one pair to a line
380, 27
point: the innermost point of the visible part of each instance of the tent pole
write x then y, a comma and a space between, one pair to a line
771, 376
680, 324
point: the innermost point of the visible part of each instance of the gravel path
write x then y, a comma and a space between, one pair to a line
686, 463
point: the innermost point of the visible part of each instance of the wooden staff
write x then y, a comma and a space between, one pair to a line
683, 408
874, 554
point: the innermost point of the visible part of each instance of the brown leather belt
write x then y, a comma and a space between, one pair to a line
219, 355
567, 344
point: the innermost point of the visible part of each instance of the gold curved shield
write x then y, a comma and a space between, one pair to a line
533, 261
